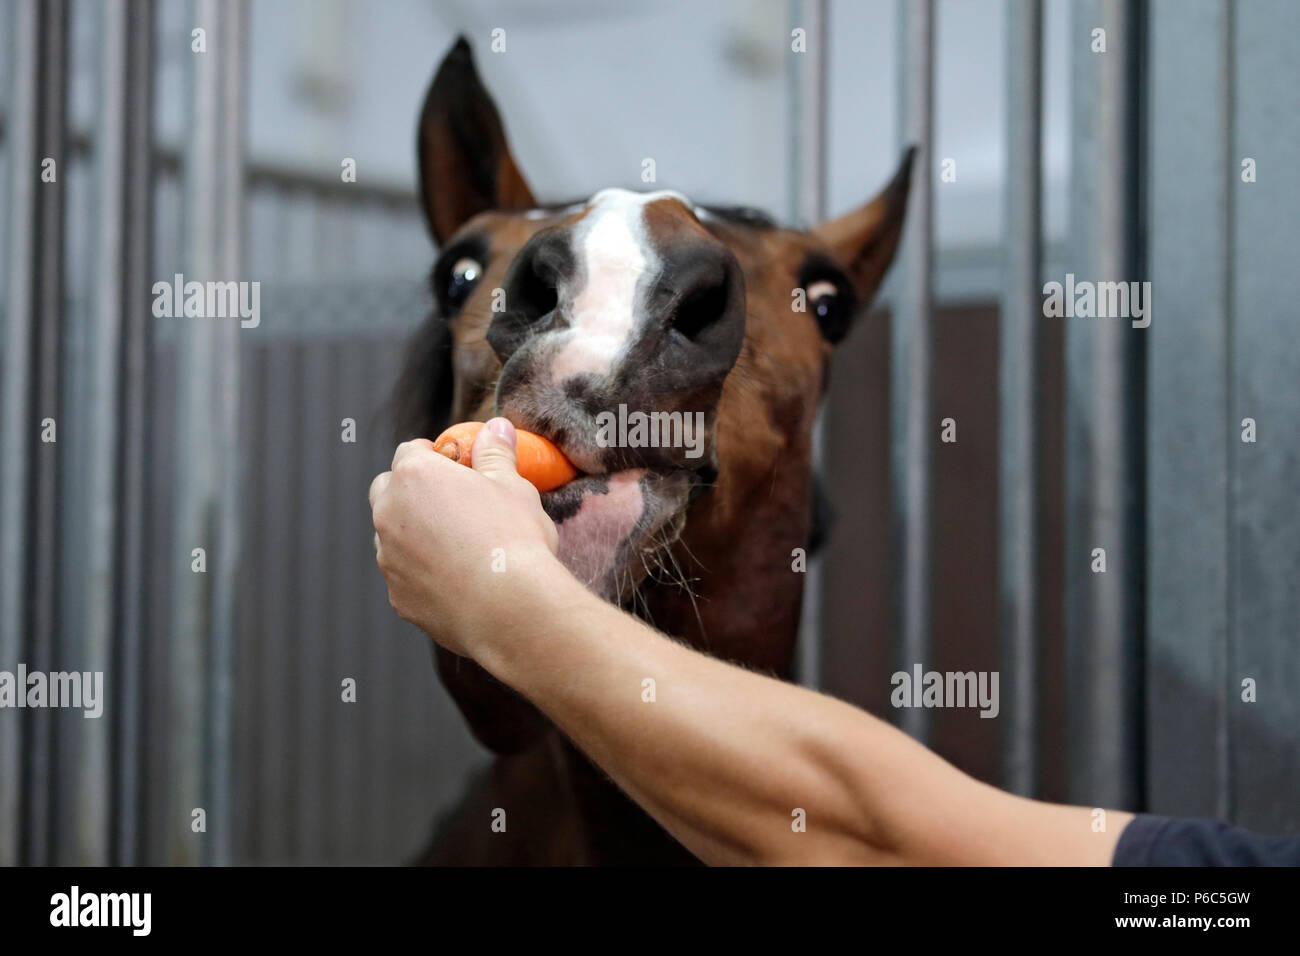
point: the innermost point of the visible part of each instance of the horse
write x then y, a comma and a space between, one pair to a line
557, 316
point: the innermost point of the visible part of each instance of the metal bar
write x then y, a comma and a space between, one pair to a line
354, 387
196, 491
18, 421
233, 118
278, 767
166, 259
99, 445
1021, 313
249, 715
390, 197
207, 501
377, 729
1225, 803
130, 612
313, 499
808, 172
1189, 624
337, 544
44, 611
1263, 362
911, 358
393, 197
1104, 398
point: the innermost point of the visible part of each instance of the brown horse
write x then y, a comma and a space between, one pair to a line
715, 325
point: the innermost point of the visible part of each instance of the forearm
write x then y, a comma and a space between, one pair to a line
725, 759
721, 766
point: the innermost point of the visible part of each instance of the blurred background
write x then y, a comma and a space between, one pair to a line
1041, 155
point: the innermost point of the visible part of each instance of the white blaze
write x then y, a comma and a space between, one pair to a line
615, 251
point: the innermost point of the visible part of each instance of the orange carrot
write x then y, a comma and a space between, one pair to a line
538, 460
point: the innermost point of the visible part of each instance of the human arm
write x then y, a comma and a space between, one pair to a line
722, 757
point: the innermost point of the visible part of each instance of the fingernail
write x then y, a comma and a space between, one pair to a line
503, 429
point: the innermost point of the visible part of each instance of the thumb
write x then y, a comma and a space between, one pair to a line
494, 449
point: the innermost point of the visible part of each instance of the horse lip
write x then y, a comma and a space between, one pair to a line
587, 459
607, 523
561, 503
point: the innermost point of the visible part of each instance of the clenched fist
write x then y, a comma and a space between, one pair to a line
454, 543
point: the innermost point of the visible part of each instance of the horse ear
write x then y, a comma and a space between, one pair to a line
866, 239
465, 163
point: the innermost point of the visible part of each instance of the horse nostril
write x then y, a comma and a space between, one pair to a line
699, 309
534, 295
531, 295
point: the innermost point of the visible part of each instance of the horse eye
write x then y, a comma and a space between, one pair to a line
464, 276
823, 299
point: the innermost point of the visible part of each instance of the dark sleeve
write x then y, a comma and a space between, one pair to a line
1171, 841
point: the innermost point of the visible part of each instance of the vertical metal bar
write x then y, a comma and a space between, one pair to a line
18, 421
1104, 399
99, 444
808, 173
1263, 363
46, 313
254, 683
278, 768
196, 491
207, 507
1189, 624
808, 166
1018, 393
167, 259
312, 494
347, 761
377, 728
1225, 803
130, 614
911, 347
225, 617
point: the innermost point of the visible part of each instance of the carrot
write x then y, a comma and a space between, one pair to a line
538, 460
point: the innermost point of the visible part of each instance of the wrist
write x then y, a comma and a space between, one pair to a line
528, 600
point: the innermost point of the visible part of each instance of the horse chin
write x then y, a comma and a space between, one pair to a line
611, 524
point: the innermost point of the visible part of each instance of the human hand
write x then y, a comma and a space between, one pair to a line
456, 545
